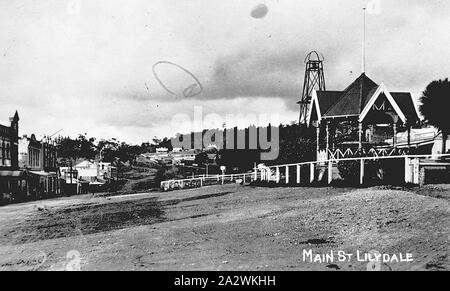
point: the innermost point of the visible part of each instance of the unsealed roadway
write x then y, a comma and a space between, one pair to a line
228, 227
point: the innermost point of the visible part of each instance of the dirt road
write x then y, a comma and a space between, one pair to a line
229, 227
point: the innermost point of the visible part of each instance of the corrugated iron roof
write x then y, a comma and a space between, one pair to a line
327, 99
354, 98
406, 104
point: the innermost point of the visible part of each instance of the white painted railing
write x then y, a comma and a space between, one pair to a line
273, 173
208, 180
412, 167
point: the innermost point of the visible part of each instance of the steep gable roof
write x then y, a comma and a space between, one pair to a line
85, 164
354, 98
406, 104
328, 99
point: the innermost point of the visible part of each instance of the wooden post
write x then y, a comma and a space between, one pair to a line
422, 176
407, 170
409, 136
298, 174
256, 174
287, 174
311, 173
223, 177
416, 172
328, 138
360, 133
394, 138
317, 140
278, 174
361, 172
330, 172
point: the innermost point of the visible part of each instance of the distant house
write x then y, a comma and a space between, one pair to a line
88, 173
106, 171
162, 150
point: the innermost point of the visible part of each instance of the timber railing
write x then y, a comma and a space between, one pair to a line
414, 166
209, 180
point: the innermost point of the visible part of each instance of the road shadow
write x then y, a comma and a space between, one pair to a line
93, 218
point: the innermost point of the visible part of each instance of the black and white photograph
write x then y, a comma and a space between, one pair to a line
224, 142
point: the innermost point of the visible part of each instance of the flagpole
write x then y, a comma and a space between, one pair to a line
364, 42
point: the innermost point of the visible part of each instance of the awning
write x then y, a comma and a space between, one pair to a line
96, 183
12, 174
42, 173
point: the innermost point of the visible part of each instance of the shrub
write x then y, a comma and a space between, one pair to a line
349, 171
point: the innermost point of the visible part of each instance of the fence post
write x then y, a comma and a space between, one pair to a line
422, 176
256, 174
407, 170
244, 179
330, 172
416, 170
298, 174
361, 172
201, 182
278, 174
287, 174
222, 178
311, 173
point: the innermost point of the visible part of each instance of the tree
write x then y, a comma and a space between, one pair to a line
434, 108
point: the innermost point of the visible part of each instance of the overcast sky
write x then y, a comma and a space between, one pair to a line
86, 66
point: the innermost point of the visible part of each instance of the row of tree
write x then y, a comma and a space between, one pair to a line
296, 142
107, 150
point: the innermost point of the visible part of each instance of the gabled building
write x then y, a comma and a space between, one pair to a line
360, 118
87, 174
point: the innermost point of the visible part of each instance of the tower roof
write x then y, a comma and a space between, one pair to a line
15, 117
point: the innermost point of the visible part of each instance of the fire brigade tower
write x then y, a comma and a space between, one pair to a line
314, 79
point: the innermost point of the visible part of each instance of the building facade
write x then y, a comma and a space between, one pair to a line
38, 161
11, 177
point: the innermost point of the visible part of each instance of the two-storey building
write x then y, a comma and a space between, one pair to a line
11, 178
38, 160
